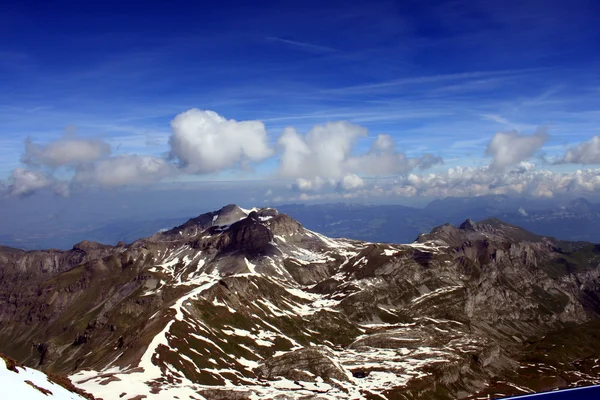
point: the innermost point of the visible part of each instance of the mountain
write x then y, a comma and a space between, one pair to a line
63, 235
19, 381
242, 304
374, 223
567, 220
575, 220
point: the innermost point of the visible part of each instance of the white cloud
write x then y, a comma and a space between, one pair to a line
524, 166
383, 144
328, 151
495, 118
125, 170
326, 161
351, 182
348, 182
65, 151
383, 159
204, 141
469, 181
511, 148
304, 185
315, 184
584, 153
321, 152
523, 212
26, 182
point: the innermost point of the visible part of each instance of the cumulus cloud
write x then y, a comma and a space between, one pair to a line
326, 161
329, 151
522, 180
584, 153
427, 161
65, 151
315, 184
470, 181
307, 185
511, 148
125, 170
26, 182
201, 142
351, 182
322, 152
383, 159
348, 182
204, 141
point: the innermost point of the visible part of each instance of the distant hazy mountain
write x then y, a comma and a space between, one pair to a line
65, 236
375, 223
575, 220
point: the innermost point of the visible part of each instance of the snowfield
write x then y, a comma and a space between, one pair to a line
31, 384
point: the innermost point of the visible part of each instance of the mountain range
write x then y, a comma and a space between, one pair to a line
246, 304
574, 219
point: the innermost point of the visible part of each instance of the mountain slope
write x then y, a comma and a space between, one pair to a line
18, 381
248, 303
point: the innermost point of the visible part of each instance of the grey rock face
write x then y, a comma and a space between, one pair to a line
304, 365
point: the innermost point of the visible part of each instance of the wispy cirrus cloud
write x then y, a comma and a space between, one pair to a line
303, 45
419, 80
496, 118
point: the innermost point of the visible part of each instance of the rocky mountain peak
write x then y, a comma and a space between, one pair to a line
250, 236
490, 229
223, 217
87, 245
228, 215
468, 225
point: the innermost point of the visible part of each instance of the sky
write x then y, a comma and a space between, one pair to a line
284, 101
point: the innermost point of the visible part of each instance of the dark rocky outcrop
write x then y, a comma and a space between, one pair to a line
304, 365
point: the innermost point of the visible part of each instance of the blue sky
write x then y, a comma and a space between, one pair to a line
441, 78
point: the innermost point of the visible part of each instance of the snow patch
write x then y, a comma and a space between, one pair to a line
14, 385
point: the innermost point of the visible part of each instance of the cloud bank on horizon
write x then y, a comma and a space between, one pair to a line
324, 162
326, 101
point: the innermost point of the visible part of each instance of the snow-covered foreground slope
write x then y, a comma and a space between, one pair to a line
23, 383
248, 304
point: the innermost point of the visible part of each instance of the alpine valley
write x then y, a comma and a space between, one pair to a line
249, 304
